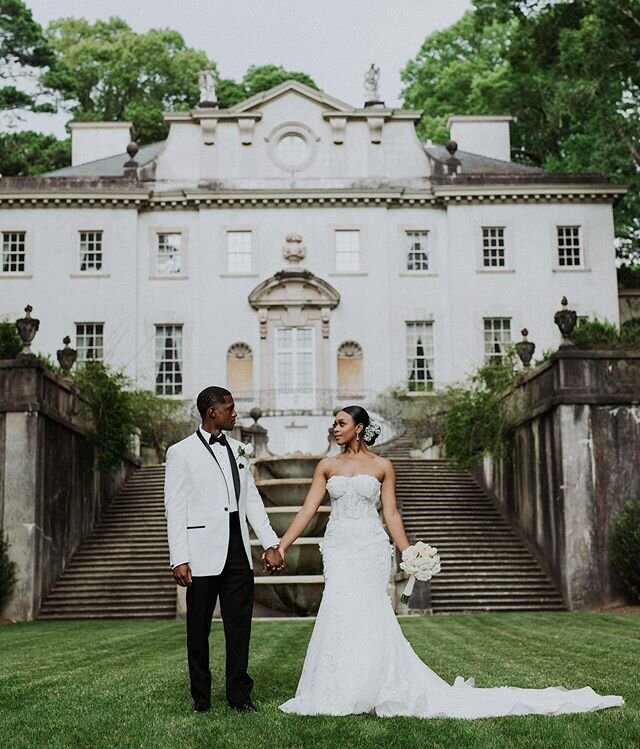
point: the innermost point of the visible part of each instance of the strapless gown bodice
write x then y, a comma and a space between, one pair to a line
354, 497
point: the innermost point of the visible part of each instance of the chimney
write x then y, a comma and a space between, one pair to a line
484, 135
97, 140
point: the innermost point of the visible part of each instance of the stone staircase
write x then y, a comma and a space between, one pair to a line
485, 564
122, 570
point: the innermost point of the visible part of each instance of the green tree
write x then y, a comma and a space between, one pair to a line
24, 52
110, 72
566, 71
27, 152
258, 78
162, 421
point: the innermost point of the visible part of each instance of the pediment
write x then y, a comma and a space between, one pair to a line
294, 287
287, 88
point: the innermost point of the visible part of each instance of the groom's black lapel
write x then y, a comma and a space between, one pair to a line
234, 471
232, 460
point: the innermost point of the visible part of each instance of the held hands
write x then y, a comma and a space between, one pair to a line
273, 561
182, 575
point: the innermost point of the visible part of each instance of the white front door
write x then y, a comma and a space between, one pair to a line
295, 369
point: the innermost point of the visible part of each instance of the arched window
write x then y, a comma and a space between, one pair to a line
350, 369
240, 370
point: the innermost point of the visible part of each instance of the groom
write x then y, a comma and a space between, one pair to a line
209, 496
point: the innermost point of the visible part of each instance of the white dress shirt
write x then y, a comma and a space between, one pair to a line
222, 454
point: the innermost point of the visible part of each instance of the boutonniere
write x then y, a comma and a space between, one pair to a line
244, 451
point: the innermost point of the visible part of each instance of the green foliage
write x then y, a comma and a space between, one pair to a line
162, 421
7, 567
26, 152
598, 334
10, 342
629, 276
475, 422
106, 402
23, 51
111, 72
459, 70
630, 333
258, 78
625, 547
566, 71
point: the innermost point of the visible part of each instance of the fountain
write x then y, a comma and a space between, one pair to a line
283, 483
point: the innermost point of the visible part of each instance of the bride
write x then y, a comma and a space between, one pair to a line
358, 660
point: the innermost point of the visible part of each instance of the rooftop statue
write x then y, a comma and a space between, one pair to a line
372, 84
207, 83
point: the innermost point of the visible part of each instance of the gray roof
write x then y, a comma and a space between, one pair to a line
472, 163
111, 166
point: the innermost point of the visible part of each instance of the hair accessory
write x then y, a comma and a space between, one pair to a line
372, 430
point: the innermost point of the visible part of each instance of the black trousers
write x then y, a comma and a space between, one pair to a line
234, 585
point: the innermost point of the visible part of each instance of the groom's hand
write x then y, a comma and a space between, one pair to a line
272, 560
182, 575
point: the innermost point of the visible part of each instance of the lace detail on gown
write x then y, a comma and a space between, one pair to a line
358, 660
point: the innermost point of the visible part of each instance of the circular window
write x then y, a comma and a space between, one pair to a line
292, 150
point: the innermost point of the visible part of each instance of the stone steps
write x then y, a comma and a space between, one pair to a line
485, 564
122, 570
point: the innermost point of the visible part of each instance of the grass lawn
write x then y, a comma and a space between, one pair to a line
105, 685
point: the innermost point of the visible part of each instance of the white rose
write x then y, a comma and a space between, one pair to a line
248, 449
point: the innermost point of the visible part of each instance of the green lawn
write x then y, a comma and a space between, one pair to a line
103, 685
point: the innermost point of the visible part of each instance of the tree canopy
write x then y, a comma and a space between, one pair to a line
258, 78
567, 71
24, 52
109, 72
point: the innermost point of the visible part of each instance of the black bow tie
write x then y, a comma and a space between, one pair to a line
221, 439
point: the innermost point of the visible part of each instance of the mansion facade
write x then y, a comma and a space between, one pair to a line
303, 253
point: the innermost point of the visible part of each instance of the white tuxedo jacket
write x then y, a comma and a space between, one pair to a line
196, 498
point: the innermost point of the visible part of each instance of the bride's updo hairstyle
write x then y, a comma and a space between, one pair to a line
371, 428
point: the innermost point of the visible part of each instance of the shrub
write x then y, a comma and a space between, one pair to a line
7, 567
105, 401
10, 343
625, 547
592, 334
630, 333
475, 424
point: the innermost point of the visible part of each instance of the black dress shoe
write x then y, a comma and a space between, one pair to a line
244, 707
201, 706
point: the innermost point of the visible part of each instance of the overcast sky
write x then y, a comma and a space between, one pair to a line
334, 41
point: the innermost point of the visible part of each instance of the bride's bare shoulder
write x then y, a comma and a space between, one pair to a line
385, 465
326, 466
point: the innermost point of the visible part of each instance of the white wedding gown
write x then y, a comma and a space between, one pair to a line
358, 660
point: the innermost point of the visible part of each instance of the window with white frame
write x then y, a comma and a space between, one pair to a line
13, 251
420, 358
239, 249
90, 251
169, 254
569, 246
89, 342
493, 247
295, 366
347, 250
497, 336
417, 250
168, 359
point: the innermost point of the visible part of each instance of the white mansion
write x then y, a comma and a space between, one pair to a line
302, 252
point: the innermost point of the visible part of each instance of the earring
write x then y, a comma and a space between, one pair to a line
358, 437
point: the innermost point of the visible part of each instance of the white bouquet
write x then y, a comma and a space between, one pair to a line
421, 562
